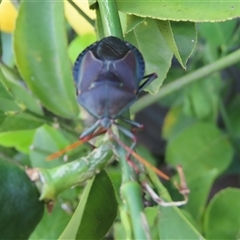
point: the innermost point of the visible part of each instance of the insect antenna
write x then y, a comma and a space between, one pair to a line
75, 144
128, 149
139, 158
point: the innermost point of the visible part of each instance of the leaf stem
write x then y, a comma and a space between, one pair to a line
185, 80
130, 189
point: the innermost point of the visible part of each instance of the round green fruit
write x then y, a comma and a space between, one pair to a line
20, 208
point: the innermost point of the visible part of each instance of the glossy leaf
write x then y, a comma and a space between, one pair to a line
21, 209
47, 140
171, 221
51, 224
156, 53
196, 11
41, 55
8, 105
20, 121
200, 148
95, 212
132, 22
6, 99
222, 219
21, 140
181, 228
18, 92
199, 191
181, 37
3, 91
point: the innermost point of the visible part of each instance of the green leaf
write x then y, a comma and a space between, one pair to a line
47, 140
156, 53
222, 219
21, 209
175, 122
40, 46
172, 217
3, 91
78, 44
95, 212
152, 214
118, 231
52, 224
20, 121
6, 100
233, 114
21, 140
200, 188
8, 105
132, 22
217, 34
181, 38
200, 148
202, 99
196, 11
18, 92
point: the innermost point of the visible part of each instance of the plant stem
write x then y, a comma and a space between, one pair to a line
187, 79
130, 189
55, 180
112, 27
110, 20
130, 192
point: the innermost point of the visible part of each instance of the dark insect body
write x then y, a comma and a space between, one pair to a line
109, 75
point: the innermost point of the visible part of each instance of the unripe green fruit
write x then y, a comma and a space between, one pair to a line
20, 209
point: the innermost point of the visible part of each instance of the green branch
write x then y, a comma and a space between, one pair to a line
110, 20
185, 80
130, 189
52, 182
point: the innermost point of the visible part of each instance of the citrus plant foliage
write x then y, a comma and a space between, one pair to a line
193, 48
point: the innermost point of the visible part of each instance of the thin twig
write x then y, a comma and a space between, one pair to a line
82, 13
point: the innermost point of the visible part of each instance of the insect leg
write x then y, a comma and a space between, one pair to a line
138, 157
131, 122
150, 78
131, 136
90, 130
136, 126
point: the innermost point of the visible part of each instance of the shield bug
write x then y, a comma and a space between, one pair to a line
109, 75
